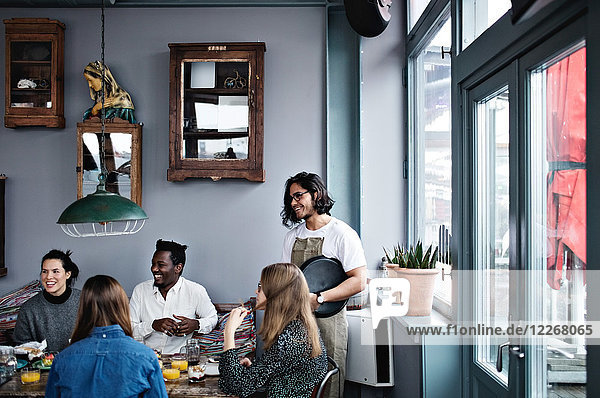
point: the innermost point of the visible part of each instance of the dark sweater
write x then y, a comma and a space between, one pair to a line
40, 319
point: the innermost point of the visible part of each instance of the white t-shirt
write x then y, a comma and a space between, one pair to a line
340, 242
185, 298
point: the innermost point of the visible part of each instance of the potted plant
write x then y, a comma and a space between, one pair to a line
419, 269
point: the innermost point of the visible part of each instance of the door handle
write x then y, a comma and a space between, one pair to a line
514, 350
499, 355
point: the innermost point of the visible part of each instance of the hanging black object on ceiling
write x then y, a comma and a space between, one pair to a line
368, 18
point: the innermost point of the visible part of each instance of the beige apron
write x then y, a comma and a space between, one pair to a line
334, 330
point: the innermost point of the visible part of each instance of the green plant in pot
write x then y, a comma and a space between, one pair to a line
418, 267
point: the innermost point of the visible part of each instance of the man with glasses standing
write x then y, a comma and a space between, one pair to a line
306, 199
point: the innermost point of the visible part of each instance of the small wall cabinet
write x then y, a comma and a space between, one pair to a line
34, 72
216, 111
123, 157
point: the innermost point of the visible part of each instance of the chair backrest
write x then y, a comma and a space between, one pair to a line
388, 297
320, 388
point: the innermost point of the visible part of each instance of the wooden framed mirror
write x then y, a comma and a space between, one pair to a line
216, 111
123, 149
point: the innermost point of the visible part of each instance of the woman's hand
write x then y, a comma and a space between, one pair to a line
236, 317
246, 362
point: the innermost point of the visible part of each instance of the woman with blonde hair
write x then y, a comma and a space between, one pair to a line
103, 359
295, 359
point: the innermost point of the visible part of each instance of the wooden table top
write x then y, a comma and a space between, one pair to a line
176, 389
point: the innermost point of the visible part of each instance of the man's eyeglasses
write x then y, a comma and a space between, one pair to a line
298, 195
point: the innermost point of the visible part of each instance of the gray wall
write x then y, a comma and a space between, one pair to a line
232, 227
384, 190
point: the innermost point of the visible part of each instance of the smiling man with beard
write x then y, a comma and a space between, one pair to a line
314, 232
166, 310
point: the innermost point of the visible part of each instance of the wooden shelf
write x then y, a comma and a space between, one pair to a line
212, 135
31, 89
218, 91
15, 61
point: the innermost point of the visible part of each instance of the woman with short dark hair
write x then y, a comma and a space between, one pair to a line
295, 359
50, 314
103, 359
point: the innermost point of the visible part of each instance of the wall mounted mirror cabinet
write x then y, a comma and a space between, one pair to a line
216, 111
123, 157
34, 72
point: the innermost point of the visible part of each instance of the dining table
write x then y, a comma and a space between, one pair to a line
178, 388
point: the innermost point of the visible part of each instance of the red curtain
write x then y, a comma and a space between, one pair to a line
565, 152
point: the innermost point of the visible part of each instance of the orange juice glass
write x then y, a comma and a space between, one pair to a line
30, 376
170, 373
181, 364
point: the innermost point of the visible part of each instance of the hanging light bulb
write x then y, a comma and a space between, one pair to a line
102, 213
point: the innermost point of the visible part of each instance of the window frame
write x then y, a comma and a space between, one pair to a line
433, 18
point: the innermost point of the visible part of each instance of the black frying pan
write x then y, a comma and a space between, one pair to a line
321, 274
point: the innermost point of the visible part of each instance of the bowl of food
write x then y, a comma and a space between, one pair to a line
48, 358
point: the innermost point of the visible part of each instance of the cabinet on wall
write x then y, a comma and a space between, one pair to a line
122, 157
216, 111
34, 72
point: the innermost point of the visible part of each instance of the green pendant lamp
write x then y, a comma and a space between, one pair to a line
102, 213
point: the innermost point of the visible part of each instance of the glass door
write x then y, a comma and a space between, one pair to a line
529, 240
557, 222
496, 295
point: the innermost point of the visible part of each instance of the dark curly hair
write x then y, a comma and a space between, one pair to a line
67, 263
177, 251
312, 183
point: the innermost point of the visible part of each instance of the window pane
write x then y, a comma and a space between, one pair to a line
492, 227
415, 9
478, 15
558, 220
431, 150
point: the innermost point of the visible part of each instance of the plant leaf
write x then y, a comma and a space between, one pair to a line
387, 256
434, 258
426, 258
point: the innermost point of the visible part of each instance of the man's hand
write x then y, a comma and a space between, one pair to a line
167, 326
186, 326
313, 302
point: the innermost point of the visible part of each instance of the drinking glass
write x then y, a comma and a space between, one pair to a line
169, 372
30, 376
196, 370
8, 360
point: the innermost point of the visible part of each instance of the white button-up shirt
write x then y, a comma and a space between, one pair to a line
185, 298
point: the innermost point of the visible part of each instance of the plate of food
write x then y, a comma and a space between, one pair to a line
40, 365
212, 369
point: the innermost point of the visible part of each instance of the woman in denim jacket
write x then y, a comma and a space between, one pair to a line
103, 359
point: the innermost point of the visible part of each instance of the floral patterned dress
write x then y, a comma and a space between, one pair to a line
285, 369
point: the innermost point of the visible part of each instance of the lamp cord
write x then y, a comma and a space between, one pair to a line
103, 171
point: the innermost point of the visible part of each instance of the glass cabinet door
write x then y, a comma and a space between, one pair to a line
34, 73
216, 118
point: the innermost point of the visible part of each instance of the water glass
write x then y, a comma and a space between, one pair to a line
8, 360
